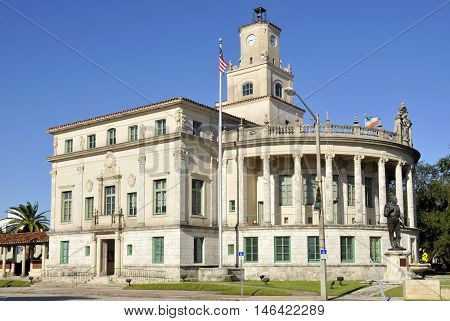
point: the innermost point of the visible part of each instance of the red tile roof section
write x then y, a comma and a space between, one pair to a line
23, 238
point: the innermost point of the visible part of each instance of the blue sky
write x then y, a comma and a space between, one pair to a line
166, 49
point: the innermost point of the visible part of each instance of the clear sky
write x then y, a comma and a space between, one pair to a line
166, 49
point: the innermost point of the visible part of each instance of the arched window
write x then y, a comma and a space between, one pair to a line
111, 136
247, 89
278, 90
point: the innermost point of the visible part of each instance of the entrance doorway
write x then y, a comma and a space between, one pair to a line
108, 255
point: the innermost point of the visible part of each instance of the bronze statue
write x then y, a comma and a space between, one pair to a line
394, 222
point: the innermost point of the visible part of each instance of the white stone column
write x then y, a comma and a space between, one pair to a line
399, 186
181, 170
344, 194
24, 259
53, 214
13, 262
382, 188
242, 169
31, 247
358, 189
363, 195
78, 218
213, 192
267, 200
100, 197
410, 197
329, 188
98, 265
117, 254
5, 250
224, 193
141, 206
298, 189
44, 258
93, 247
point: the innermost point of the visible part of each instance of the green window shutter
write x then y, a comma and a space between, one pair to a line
375, 249
347, 249
251, 249
87, 251
198, 249
313, 249
64, 252
282, 248
129, 249
230, 249
158, 250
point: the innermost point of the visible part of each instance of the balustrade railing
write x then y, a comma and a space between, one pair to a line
298, 130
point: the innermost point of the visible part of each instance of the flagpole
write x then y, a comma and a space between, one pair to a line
219, 196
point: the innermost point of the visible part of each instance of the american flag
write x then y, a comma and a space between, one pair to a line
223, 65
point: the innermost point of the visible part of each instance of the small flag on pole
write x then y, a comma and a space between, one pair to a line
370, 121
223, 65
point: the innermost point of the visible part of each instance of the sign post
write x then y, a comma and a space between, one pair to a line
241, 259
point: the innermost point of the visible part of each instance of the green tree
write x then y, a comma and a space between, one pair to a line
432, 200
25, 218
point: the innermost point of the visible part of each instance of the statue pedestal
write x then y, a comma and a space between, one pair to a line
397, 266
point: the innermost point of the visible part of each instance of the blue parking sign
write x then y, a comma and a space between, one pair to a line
323, 251
240, 253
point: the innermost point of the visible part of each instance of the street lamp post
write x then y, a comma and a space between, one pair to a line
323, 262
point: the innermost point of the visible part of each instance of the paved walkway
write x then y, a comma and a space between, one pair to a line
115, 293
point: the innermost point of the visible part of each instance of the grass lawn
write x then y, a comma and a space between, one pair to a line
14, 283
214, 287
312, 286
445, 284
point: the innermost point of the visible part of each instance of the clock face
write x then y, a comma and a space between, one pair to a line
273, 41
251, 39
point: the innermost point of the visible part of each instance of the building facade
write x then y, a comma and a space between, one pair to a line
137, 189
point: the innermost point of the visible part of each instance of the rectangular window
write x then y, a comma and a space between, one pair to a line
159, 196
64, 252
285, 190
230, 249
89, 208
132, 204
308, 189
132, 133
110, 200
69, 146
232, 206
91, 141
251, 249
129, 249
347, 249
198, 249
160, 127
196, 128
368, 189
197, 197
66, 206
282, 249
313, 249
158, 250
260, 211
351, 190
87, 251
375, 249
111, 134
335, 187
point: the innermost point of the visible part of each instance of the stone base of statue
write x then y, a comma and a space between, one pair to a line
397, 266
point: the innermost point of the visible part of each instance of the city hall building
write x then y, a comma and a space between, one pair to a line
137, 190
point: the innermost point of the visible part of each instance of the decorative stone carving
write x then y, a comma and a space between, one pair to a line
89, 186
358, 158
297, 156
142, 159
82, 143
141, 131
181, 153
403, 125
383, 160
53, 172
55, 145
214, 162
180, 119
110, 163
329, 157
131, 180
80, 169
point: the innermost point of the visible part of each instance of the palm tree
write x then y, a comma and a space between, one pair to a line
25, 218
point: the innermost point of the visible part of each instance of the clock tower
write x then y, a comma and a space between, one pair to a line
260, 76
